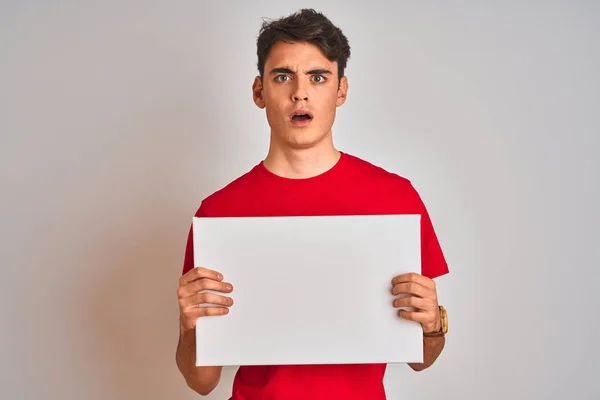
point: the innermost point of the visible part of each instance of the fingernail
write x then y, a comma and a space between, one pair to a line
219, 276
229, 287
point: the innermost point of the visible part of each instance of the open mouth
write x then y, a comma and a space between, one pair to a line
301, 117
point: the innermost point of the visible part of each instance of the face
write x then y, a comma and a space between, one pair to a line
300, 94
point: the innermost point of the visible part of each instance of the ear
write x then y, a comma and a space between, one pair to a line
257, 92
342, 91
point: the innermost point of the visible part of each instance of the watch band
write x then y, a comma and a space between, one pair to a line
443, 325
434, 334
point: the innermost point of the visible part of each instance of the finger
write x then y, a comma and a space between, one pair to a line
412, 288
417, 316
412, 301
203, 298
190, 317
203, 284
199, 273
414, 277
194, 313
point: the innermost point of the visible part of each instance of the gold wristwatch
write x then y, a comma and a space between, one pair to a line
444, 325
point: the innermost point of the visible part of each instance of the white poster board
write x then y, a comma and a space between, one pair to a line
309, 290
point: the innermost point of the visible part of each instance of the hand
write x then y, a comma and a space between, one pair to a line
192, 298
419, 292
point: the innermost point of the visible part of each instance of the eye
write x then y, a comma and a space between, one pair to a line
281, 78
319, 78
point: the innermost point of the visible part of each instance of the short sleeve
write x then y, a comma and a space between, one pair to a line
433, 262
188, 259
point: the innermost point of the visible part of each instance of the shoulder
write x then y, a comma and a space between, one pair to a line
370, 172
229, 193
377, 182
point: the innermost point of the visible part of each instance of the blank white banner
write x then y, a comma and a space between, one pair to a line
309, 290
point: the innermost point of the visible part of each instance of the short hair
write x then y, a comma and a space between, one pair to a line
306, 25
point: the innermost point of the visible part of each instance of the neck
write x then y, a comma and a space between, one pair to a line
301, 163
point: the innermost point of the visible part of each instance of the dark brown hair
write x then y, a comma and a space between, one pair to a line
306, 25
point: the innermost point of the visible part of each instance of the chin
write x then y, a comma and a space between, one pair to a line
298, 138
304, 141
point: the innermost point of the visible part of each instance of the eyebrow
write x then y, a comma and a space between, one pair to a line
285, 70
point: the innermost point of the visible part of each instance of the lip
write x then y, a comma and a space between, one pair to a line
302, 111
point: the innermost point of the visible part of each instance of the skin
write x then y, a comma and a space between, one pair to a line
296, 76
203, 380
420, 293
300, 152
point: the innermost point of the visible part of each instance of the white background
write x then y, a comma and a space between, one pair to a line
117, 118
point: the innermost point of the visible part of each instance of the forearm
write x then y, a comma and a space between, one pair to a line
432, 348
202, 380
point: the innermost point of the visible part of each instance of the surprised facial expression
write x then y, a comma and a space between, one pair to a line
300, 92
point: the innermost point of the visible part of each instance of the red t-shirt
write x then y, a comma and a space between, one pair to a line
352, 187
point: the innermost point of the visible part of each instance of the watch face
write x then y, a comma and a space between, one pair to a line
444, 316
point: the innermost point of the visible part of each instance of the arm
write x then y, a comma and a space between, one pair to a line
432, 348
193, 296
202, 380
421, 294
421, 288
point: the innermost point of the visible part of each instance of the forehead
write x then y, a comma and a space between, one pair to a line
297, 54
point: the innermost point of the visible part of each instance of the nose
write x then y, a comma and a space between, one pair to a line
300, 98
300, 93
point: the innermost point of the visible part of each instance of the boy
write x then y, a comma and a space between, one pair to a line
301, 82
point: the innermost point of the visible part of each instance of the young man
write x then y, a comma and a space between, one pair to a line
301, 82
